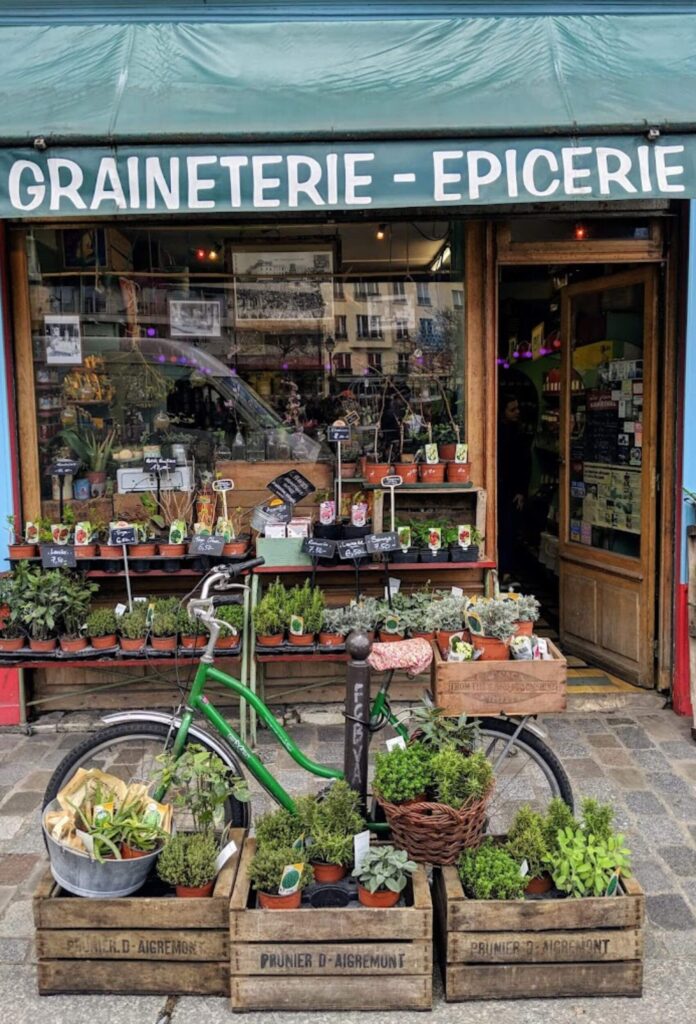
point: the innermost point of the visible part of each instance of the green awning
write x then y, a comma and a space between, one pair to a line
476, 76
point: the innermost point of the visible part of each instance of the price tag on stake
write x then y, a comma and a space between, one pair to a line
361, 844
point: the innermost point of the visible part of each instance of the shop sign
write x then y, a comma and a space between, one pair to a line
206, 545
102, 181
319, 547
382, 543
57, 556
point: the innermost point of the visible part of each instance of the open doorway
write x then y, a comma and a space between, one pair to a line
576, 503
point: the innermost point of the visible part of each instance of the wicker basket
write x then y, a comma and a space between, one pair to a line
436, 833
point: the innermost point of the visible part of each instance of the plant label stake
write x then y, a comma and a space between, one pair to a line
222, 487
337, 433
390, 483
127, 572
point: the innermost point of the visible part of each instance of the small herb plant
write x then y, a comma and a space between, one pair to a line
490, 873
307, 602
269, 862
101, 622
584, 865
527, 608
526, 841
404, 773
133, 624
449, 612
200, 782
280, 828
362, 615
459, 779
497, 617
597, 819
270, 614
165, 619
384, 867
558, 817
188, 859
434, 729
334, 621
233, 616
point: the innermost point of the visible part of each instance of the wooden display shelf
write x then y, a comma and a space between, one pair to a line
371, 567
529, 949
443, 488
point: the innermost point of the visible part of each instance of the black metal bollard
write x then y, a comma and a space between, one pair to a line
357, 735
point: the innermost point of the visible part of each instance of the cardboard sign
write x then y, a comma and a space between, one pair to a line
206, 545
158, 464
380, 543
57, 556
319, 547
349, 549
120, 535
64, 467
338, 433
291, 486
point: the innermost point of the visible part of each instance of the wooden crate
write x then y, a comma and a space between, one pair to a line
524, 949
138, 944
337, 959
496, 687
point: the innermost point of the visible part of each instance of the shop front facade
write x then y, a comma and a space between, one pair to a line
229, 295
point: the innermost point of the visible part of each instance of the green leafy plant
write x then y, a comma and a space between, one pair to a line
434, 729
280, 828
448, 610
141, 835
458, 778
526, 841
308, 603
597, 819
583, 865
233, 616
269, 862
527, 608
558, 817
403, 773
39, 601
334, 621
362, 615
271, 612
133, 624
490, 873
188, 859
165, 617
93, 453
330, 847
385, 867
200, 782
101, 622
75, 597
498, 617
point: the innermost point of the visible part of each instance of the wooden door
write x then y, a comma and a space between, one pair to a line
607, 480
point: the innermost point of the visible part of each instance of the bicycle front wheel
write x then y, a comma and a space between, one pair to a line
130, 752
526, 772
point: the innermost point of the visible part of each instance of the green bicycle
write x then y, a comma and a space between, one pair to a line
527, 770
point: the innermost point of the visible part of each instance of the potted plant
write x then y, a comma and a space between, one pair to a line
141, 833
333, 820
404, 774
18, 549
382, 876
74, 606
85, 546
422, 619
270, 616
92, 453
132, 628
188, 862
490, 873
447, 437
334, 628
304, 614
268, 868
526, 843
447, 616
233, 616
194, 634
491, 622
527, 610
408, 550
165, 624
39, 599
429, 538
362, 616
392, 627
466, 552
238, 545
101, 628
198, 784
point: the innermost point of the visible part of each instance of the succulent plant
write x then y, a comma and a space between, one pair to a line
497, 617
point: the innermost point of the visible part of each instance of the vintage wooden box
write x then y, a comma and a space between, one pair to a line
138, 944
524, 949
493, 687
333, 959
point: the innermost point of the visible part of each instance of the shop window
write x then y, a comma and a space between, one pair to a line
458, 298
215, 344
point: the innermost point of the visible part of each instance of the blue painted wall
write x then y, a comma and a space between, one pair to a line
8, 473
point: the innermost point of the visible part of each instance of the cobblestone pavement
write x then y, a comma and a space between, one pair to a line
640, 757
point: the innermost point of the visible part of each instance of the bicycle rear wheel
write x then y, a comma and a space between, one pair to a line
526, 772
129, 751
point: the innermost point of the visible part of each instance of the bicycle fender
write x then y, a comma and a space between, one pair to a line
216, 743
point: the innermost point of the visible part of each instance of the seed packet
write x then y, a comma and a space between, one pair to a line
404, 537
461, 453
177, 532
297, 625
201, 530
290, 879
432, 456
521, 648
358, 515
327, 512
464, 535
435, 538
31, 533
83, 534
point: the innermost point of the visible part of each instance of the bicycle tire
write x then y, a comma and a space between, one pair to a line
503, 727
236, 813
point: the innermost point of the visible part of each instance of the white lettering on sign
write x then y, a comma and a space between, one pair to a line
197, 185
354, 180
36, 191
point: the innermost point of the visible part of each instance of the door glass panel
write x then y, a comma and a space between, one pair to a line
606, 419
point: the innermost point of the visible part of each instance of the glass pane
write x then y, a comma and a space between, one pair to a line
606, 419
242, 343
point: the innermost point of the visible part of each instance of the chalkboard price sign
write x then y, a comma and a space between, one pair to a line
158, 464
392, 481
206, 546
319, 547
120, 535
349, 549
381, 543
57, 556
338, 433
64, 467
291, 486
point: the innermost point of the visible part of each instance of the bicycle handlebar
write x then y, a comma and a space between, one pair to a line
238, 568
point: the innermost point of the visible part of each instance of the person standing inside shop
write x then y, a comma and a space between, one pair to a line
513, 482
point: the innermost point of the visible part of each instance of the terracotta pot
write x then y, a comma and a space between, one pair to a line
235, 549
225, 642
130, 853
303, 640
194, 643
142, 550
331, 639
270, 640
110, 551
362, 462
267, 901
524, 629
492, 649
381, 898
390, 638
11, 644
324, 872
374, 471
408, 471
434, 474
73, 644
458, 472
422, 636
85, 551
443, 639
172, 550
188, 892
22, 551
539, 885
43, 646
101, 643
163, 643
132, 646
349, 470
447, 452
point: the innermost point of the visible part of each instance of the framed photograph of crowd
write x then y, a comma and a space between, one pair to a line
277, 287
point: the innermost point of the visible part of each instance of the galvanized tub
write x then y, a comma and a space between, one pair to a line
79, 874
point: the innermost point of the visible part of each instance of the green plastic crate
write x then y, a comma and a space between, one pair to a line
280, 551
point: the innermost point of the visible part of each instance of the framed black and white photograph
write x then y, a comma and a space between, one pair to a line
63, 340
265, 263
194, 318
